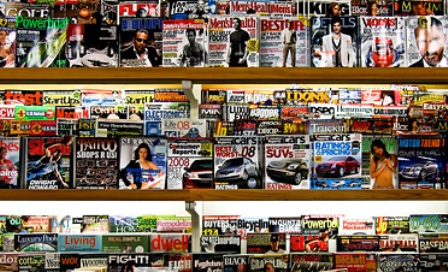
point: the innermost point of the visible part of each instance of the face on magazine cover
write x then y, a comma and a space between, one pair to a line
430, 42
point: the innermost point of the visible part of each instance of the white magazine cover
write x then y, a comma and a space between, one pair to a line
433, 47
284, 42
184, 43
382, 41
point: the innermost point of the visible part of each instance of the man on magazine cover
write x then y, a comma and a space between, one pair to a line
275, 246
140, 52
237, 53
194, 53
430, 41
337, 47
289, 38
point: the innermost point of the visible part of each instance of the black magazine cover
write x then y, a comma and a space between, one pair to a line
323, 52
203, 262
47, 162
236, 262
137, 261
269, 262
140, 42
40, 42
312, 262
96, 163
90, 45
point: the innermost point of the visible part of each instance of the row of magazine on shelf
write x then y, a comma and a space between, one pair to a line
398, 109
302, 243
227, 41
220, 262
276, 162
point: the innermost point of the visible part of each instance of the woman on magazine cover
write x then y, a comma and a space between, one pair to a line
382, 166
142, 172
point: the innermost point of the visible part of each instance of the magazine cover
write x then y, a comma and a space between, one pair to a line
266, 243
80, 12
391, 224
287, 162
190, 164
190, 9
184, 128
140, 42
382, 41
220, 243
351, 226
135, 262
426, 41
236, 262
337, 161
8, 34
237, 162
179, 261
269, 262
328, 224
140, 9
371, 149
284, 42
203, 262
252, 7
432, 242
8, 262
157, 112
219, 224
48, 162
399, 242
250, 224
35, 242
83, 261
96, 163
325, 52
428, 223
319, 8
411, 8
357, 243
170, 242
372, 8
31, 262
392, 262
312, 262
433, 262
40, 42
91, 45
317, 242
285, 224
124, 243
142, 163
421, 161
9, 162
184, 43
356, 261
233, 41
79, 243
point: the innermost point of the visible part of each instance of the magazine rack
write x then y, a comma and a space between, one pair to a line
191, 79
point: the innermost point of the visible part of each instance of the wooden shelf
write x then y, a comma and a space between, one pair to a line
222, 195
224, 75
